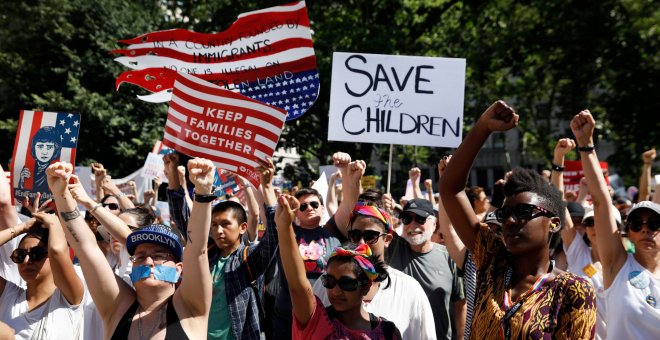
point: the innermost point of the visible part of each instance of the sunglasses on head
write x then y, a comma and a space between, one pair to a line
314, 204
36, 254
522, 211
369, 236
345, 283
636, 226
588, 223
408, 218
111, 206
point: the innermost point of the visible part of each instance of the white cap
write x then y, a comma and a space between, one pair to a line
589, 213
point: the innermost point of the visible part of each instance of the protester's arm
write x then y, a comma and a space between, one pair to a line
331, 197
184, 184
176, 195
611, 250
428, 184
656, 195
196, 287
252, 209
414, 174
113, 224
64, 275
563, 146
584, 192
7, 235
645, 177
455, 246
106, 289
133, 187
498, 117
99, 174
111, 188
261, 254
156, 185
351, 182
302, 296
8, 215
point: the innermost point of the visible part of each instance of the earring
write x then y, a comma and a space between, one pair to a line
554, 226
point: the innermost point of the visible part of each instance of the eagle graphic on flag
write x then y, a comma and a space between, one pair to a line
42, 139
267, 55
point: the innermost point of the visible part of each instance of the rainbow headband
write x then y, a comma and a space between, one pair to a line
373, 211
360, 255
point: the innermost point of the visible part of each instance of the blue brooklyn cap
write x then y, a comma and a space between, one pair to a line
156, 234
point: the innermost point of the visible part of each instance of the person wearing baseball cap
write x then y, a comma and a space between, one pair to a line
157, 307
631, 281
415, 254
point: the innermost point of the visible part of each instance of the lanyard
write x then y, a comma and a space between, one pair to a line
507, 304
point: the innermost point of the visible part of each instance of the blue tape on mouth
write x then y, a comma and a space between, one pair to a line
162, 273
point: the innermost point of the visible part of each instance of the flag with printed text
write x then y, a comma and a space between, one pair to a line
232, 130
267, 55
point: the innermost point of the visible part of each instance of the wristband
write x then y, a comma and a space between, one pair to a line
557, 168
121, 194
588, 148
98, 205
204, 198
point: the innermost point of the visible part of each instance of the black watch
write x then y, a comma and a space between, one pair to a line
204, 198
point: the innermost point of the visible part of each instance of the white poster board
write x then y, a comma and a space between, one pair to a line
389, 99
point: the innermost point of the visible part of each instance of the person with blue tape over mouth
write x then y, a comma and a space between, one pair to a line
157, 307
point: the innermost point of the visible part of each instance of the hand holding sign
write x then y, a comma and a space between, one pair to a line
202, 173
266, 171
58, 175
583, 125
499, 117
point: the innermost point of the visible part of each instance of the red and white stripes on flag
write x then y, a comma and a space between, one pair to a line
266, 54
228, 128
57, 132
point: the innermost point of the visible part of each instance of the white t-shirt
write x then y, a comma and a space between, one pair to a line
629, 315
403, 302
93, 324
8, 269
578, 256
55, 319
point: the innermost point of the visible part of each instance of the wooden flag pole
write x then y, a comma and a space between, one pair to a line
389, 170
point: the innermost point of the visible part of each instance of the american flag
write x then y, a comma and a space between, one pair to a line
57, 128
205, 120
225, 184
267, 54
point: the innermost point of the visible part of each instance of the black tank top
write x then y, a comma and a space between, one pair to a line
173, 329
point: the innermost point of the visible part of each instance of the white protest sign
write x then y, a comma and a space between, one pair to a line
390, 99
154, 167
321, 185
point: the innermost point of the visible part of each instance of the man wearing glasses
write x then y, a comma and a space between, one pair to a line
428, 262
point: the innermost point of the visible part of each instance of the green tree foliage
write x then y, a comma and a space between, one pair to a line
548, 58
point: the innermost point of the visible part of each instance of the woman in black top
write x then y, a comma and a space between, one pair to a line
156, 308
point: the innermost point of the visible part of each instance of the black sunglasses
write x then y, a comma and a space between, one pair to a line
588, 223
111, 206
522, 211
314, 204
36, 254
345, 283
408, 218
369, 236
636, 226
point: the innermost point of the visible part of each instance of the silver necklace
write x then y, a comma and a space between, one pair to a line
160, 322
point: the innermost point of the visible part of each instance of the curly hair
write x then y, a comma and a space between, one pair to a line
526, 180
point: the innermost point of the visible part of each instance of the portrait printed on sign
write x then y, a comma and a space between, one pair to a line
43, 138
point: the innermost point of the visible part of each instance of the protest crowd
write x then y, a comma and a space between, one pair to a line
533, 261
85, 256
